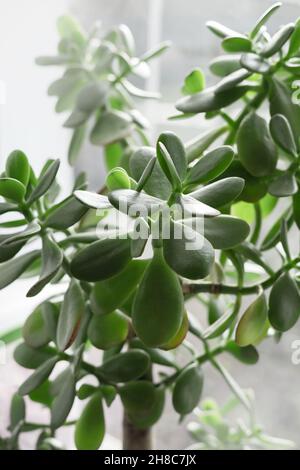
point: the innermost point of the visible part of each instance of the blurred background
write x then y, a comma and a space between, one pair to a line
28, 122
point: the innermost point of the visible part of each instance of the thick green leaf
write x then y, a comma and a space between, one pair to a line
63, 402
220, 193
38, 377
231, 80
168, 166
158, 305
35, 331
294, 45
143, 419
7, 207
12, 189
281, 103
125, 367
90, 427
163, 358
17, 167
272, 237
176, 151
103, 297
17, 411
44, 182
31, 358
264, 18
194, 82
236, 43
101, 260
225, 231
31, 229
158, 184
111, 126
70, 316
117, 178
137, 396
76, 144
12, 269
254, 63
52, 258
278, 40
65, 214
210, 165
92, 200
253, 322
188, 389
220, 30
284, 303
107, 331
225, 64
284, 185
187, 252
282, 134
192, 207
146, 174
296, 208
133, 202
246, 354
209, 100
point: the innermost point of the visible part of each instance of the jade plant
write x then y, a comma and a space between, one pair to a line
169, 257
96, 87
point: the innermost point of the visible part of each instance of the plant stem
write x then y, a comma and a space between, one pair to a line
135, 438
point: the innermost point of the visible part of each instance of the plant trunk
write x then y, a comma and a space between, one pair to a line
135, 438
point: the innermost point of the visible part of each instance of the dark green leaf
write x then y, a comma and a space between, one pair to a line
90, 427
93, 200
38, 377
256, 149
71, 313
65, 214
52, 258
108, 331
12, 269
210, 165
278, 40
44, 182
225, 231
220, 193
284, 303
17, 411
282, 134
101, 260
31, 358
284, 185
63, 402
125, 367
188, 389
246, 354
17, 167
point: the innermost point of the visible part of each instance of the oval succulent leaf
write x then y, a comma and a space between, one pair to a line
134, 202
107, 331
92, 200
101, 260
12, 269
225, 64
282, 134
34, 331
278, 40
103, 296
211, 165
38, 377
17, 167
256, 149
209, 100
117, 178
225, 231
63, 402
158, 305
284, 185
44, 182
176, 150
71, 313
187, 252
52, 258
196, 208
220, 193
284, 303
158, 184
125, 367
220, 30
168, 166
233, 79
90, 427
188, 389
12, 189
236, 43
253, 322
